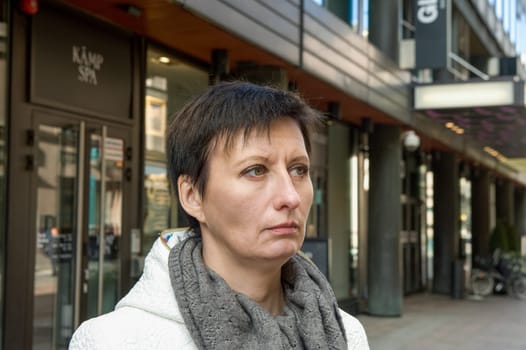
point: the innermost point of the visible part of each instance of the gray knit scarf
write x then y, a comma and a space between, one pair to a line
220, 318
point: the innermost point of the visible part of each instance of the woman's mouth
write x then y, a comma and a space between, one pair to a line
285, 228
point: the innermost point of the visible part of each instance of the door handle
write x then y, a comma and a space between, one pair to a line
30, 162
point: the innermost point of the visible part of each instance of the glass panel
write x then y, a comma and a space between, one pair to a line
94, 233
157, 195
513, 22
113, 163
107, 164
317, 220
56, 223
423, 224
354, 14
430, 223
465, 225
170, 83
365, 18
354, 239
499, 6
521, 28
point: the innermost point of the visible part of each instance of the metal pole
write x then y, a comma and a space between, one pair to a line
102, 244
80, 215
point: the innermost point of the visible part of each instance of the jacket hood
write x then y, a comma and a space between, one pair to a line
153, 292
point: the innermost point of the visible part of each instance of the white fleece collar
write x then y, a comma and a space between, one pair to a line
153, 292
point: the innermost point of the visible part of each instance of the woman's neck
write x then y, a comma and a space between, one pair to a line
260, 282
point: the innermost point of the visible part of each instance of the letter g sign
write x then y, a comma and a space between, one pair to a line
427, 11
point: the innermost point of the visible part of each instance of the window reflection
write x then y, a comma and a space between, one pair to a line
170, 83
56, 223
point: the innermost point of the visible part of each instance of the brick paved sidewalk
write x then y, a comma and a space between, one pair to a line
434, 322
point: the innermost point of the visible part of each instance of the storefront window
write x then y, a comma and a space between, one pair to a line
353, 12
359, 16
170, 83
354, 211
359, 195
430, 223
520, 28
317, 221
465, 223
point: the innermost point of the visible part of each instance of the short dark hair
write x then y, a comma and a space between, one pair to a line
221, 112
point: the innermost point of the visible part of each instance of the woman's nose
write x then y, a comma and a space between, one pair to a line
286, 193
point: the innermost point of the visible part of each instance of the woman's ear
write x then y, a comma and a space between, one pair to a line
190, 198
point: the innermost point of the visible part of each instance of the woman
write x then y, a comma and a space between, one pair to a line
239, 158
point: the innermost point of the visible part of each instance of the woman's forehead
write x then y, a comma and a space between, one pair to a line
242, 137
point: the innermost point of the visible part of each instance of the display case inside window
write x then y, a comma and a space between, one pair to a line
155, 124
170, 83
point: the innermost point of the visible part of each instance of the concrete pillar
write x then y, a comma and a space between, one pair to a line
338, 208
520, 216
446, 213
384, 26
480, 212
384, 258
520, 212
504, 202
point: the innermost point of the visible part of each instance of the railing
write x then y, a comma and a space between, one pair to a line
467, 66
408, 30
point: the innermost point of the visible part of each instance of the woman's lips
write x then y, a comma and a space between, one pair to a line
286, 228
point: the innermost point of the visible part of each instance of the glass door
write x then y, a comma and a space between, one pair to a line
79, 181
56, 163
105, 191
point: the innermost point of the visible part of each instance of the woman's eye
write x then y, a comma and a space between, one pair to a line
255, 171
300, 170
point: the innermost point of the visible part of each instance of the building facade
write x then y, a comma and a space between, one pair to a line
424, 103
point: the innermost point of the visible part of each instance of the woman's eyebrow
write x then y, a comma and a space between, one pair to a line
302, 158
252, 158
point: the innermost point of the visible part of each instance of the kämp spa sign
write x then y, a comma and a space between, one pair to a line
80, 64
89, 63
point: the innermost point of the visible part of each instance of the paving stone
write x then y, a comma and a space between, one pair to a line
432, 322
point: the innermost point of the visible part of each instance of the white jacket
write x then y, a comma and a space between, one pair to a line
148, 316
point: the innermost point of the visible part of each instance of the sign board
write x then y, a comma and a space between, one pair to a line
114, 149
432, 33
317, 250
79, 64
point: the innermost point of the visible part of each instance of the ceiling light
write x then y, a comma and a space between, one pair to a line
164, 59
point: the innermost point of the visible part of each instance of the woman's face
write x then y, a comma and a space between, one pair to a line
257, 196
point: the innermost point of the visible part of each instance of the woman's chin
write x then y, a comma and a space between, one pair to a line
283, 250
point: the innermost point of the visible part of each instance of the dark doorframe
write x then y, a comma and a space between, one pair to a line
20, 235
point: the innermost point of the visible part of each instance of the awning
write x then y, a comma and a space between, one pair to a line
493, 112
